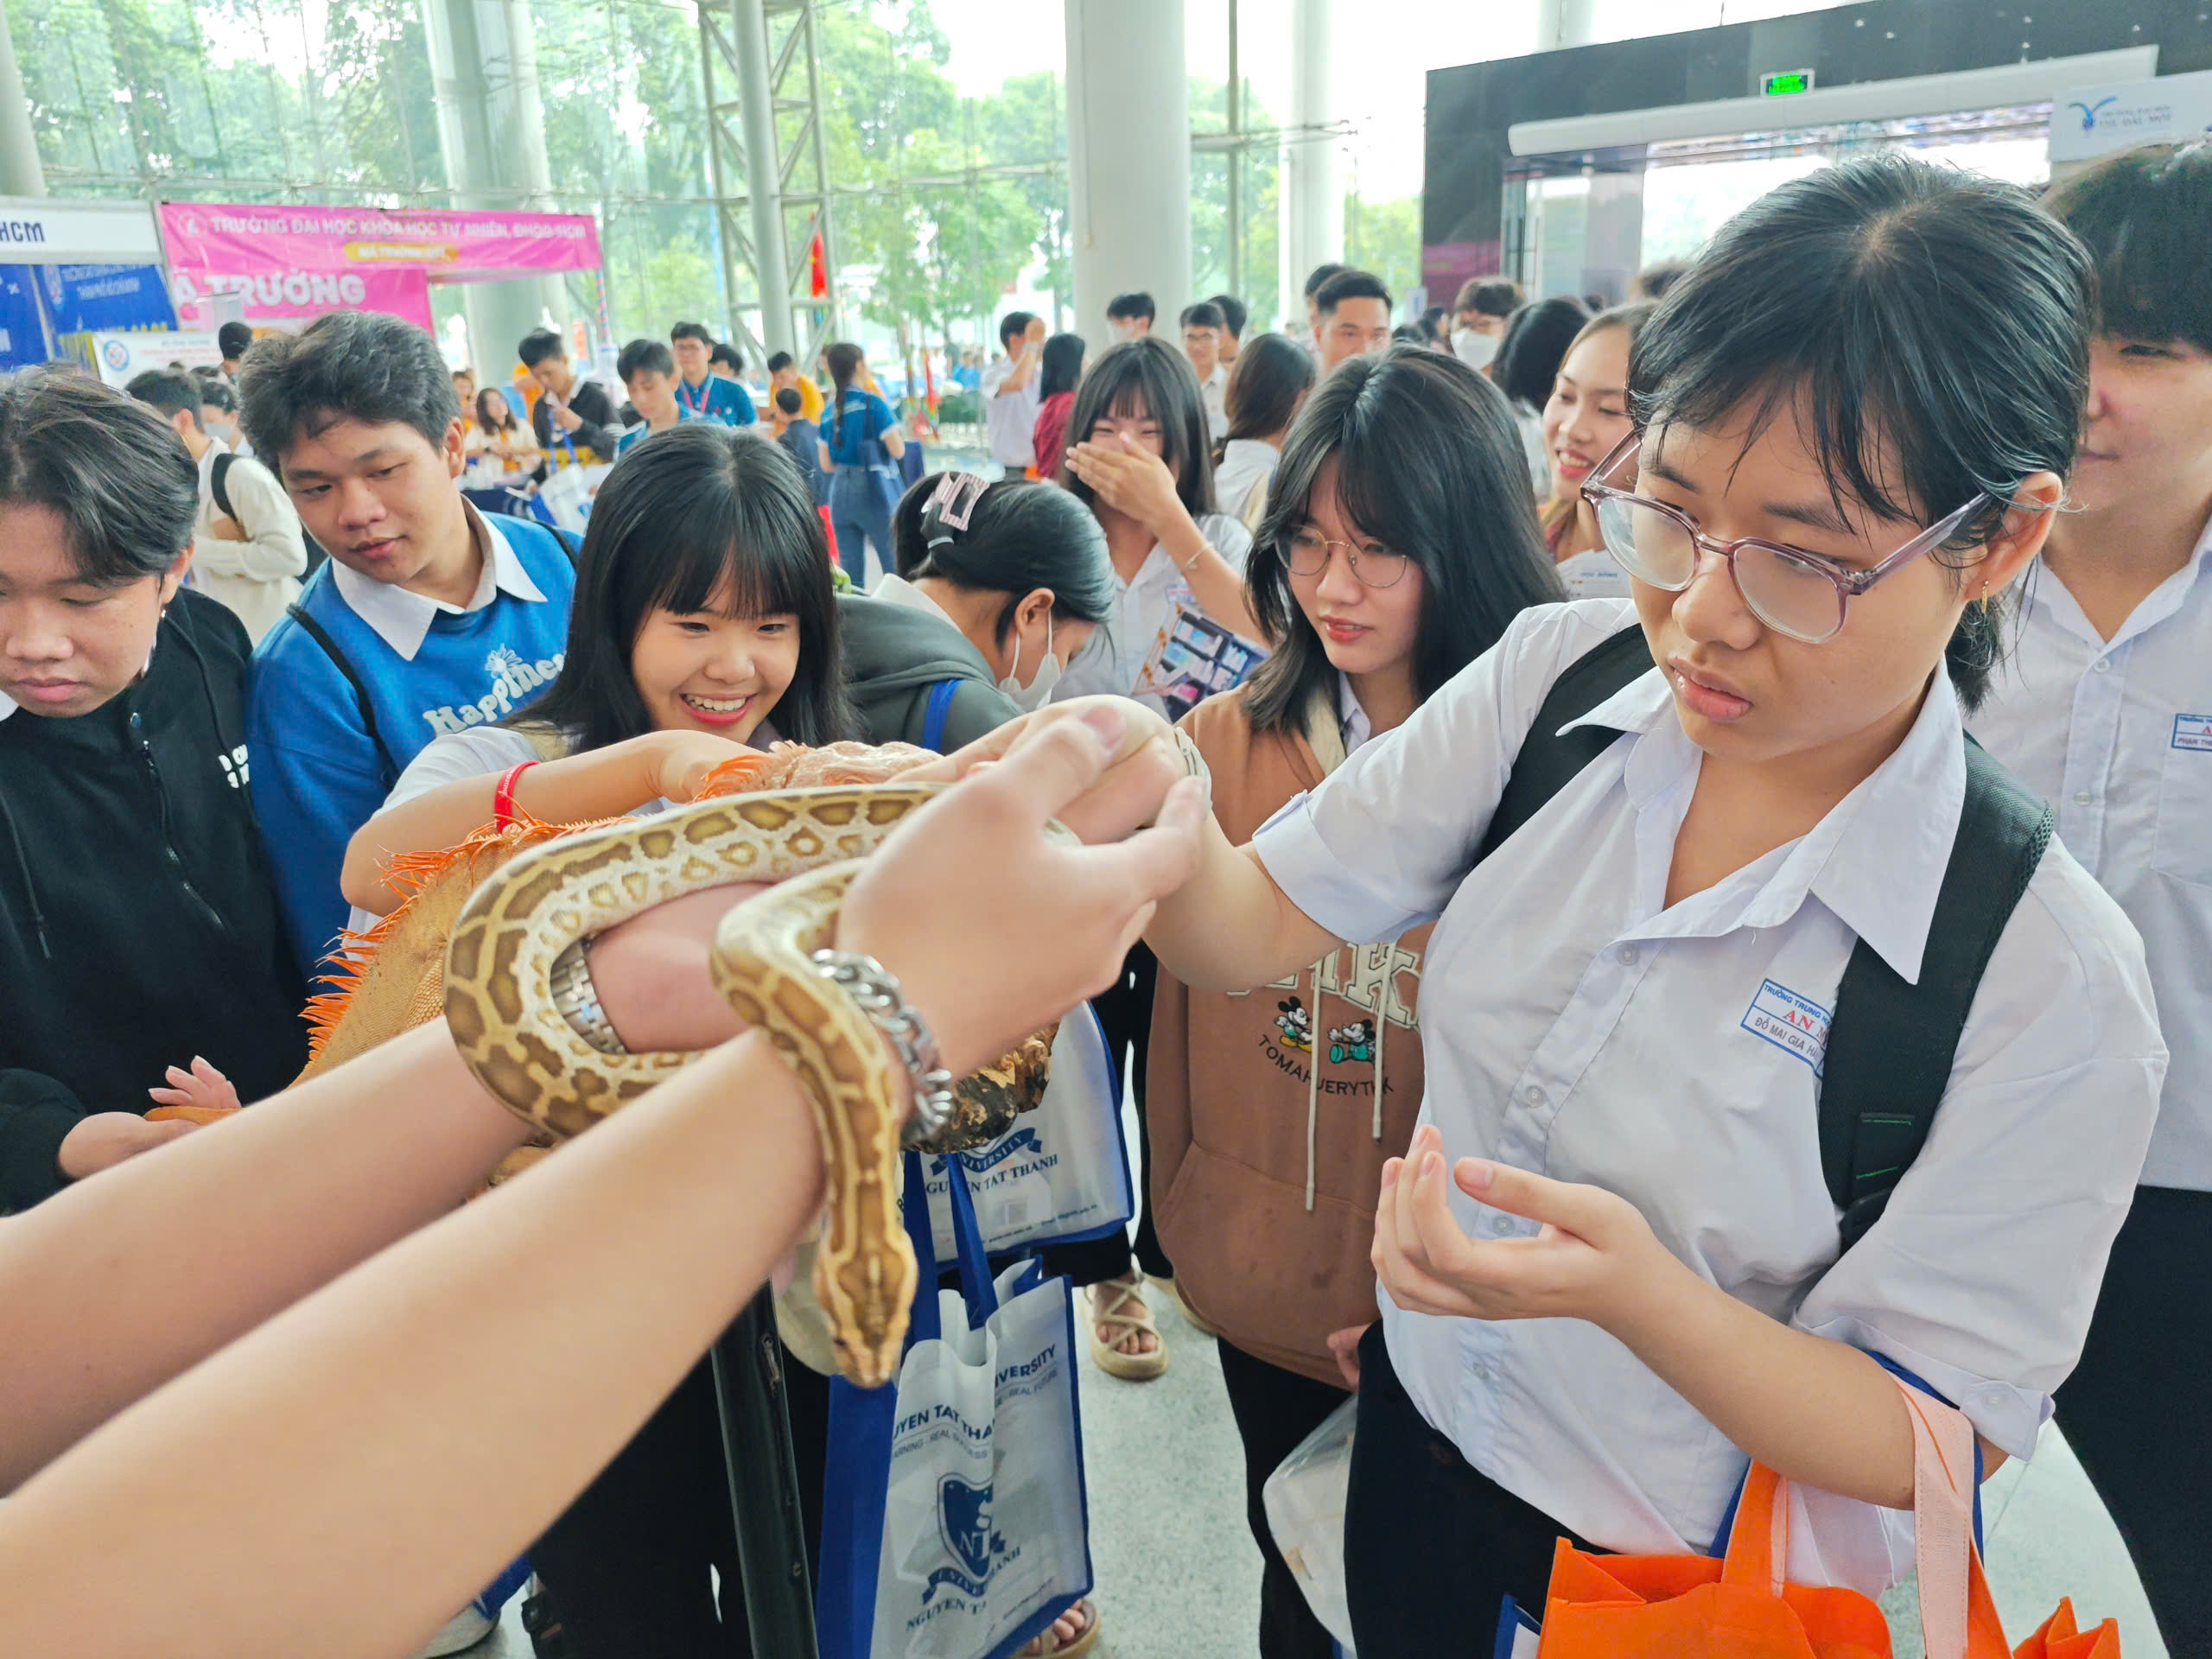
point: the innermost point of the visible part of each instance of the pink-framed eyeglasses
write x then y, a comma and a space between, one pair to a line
1794, 592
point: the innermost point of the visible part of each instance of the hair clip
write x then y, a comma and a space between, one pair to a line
952, 506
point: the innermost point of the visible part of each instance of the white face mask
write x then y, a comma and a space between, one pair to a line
1475, 350
1034, 696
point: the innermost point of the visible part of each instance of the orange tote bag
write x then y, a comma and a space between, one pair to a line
1694, 1607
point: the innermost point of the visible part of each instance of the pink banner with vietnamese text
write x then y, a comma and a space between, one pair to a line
290, 261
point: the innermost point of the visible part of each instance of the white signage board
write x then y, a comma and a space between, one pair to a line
38, 231
117, 357
2091, 121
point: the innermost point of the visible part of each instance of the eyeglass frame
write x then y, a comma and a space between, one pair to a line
1849, 584
1351, 561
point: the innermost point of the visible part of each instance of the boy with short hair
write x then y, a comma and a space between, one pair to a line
1129, 316
705, 395
648, 372
1010, 393
250, 554
1203, 327
574, 419
139, 925
783, 374
1351, 317
1234, 315
430, 617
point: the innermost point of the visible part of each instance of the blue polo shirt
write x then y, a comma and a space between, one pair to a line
637, 435
851, 432
425, 667
716, 399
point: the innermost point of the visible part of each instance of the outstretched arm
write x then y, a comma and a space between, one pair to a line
430, 1411
580, 789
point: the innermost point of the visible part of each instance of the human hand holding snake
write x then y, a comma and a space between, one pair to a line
1056, 917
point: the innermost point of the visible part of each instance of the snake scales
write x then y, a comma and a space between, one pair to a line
499, 1007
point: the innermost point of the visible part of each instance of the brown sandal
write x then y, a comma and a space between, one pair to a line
1107, 1355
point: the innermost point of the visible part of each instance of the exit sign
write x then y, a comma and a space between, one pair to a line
1783, 82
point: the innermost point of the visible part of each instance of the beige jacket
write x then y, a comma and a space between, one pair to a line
1271, 1111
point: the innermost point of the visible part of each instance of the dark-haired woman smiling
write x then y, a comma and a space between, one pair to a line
1615, 1264
1376, 594
704, 621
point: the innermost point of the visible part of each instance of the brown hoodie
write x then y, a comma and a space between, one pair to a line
1267, 1142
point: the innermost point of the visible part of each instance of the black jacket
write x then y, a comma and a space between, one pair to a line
893, 654
138, 925
601, 428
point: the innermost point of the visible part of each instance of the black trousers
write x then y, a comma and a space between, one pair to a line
625, 1567
1432, 1547
1276, 1409
1125, 1012
2138, 1410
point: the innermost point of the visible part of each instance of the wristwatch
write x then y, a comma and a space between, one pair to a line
578, 1002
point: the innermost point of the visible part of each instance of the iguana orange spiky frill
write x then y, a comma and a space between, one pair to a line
391, 978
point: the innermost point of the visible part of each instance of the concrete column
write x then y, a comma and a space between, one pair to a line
1129, 158
1565, 22
764, 191
20, 172
491, 130
1313, 190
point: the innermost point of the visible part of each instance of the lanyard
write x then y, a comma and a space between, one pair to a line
706, 394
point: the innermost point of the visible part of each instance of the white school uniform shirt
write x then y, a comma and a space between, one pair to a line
1247, 466
402, 618
2117, 735
1577, 1026
1112, 660
1212, 392
1593, 573
1010, 418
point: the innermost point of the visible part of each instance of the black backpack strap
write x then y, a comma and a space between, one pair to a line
1548, 760
1890, 1046
215, 487
321, 635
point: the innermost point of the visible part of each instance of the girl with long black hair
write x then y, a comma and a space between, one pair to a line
1266, 385
1765, 878
704, 622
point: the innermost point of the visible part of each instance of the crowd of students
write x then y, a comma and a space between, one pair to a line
1615, 679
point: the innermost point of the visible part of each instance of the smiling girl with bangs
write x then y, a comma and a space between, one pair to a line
705, 621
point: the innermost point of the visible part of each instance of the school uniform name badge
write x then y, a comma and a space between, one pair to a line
1794, 1024
2193, 732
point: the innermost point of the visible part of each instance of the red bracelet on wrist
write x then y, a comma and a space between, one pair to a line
503, 798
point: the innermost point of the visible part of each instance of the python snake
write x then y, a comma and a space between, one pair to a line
499, 1006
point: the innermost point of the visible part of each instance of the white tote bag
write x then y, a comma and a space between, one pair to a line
958, 1525
1062, 1173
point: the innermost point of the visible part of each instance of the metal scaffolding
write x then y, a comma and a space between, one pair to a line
765, 47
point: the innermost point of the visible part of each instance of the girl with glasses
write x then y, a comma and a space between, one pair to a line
1377, 594
2106, 707
1614, 1264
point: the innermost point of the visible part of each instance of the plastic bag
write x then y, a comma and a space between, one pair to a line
1305, 1500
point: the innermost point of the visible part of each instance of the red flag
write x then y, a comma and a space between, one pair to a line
818, 264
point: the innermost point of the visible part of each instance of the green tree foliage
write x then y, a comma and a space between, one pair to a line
1384, 237
291, 100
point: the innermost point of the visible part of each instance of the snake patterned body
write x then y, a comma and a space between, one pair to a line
499, 1006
